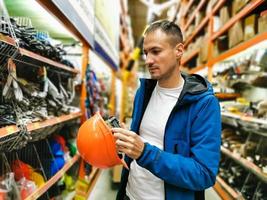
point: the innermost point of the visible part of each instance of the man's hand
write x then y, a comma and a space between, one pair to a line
128, 142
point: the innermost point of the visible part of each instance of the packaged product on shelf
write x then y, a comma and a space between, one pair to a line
262, 23
236, 34
250, 27
203, 53
224, 15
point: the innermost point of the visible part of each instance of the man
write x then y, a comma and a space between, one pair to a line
173, 148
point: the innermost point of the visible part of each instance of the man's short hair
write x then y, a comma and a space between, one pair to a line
168, 27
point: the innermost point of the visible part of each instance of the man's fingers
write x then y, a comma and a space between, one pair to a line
123, 131
123, 143
120, 136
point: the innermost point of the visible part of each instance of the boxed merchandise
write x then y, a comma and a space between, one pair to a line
203, 53
199, 17
238, 5
250, 27
235, 34
224, 15
262, 23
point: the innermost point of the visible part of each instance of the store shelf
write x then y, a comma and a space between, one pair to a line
245, 11
241, 47
189, 57
202, 2
243, 117
225, 191
204, 22
5, 131
35, 59
227, 96
197, 30
196, 69
246, 164
41, 190
35, 56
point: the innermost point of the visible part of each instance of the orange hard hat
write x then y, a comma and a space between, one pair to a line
96, 143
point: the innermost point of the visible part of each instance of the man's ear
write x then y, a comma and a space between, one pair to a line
179, 50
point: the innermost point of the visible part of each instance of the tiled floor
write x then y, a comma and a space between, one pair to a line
106, 190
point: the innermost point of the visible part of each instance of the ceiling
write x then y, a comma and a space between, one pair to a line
44, 21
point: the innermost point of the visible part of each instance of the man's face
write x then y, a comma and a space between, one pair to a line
162, 57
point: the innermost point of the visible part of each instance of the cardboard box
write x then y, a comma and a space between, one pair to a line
250, 27
238, 5
262, 22
224, 15
235, 34
203, 53
199, 17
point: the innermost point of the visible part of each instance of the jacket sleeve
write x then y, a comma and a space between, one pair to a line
199, 170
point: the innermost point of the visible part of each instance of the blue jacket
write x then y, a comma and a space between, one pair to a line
190, 159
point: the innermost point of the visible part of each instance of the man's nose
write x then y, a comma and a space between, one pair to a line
149, 59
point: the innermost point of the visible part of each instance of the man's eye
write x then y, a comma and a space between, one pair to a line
155, 52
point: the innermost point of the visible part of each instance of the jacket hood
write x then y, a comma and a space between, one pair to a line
195, 88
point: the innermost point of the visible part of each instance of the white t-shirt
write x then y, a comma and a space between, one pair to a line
142, 184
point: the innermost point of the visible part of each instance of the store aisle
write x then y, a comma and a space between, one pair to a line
106, 190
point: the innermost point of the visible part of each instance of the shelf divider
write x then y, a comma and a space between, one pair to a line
246, 164
41, 190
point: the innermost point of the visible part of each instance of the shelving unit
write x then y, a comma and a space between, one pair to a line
8, 130
205, 28
41, 190
239, 48
246, 10
33, 59
246, 164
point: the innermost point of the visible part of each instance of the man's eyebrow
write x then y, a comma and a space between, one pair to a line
150, 49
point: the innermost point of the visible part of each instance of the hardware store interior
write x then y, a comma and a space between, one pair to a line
69, 76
